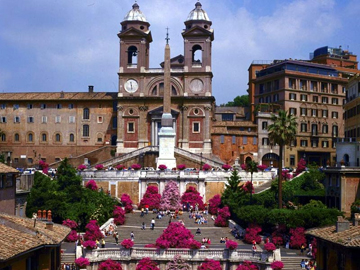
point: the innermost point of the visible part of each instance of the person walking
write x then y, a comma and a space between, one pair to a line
302, 249
132, 236
103, 243
116, 236
253, 249
143, 226
153, 224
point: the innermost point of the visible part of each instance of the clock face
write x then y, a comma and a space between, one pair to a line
196, 85
131, 86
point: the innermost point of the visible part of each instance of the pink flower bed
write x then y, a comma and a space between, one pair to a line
91, 185
192, 196
151, 198
82, 262
230, 244
93, 231
269, 247
210, 264
277, 265
162, 167
72, 237
252, 234
81, 167
214, 204
127, 243
109, 264
297, 237
247, 265
89, 244
146, 264
222, 218
70, 223
127, 202
119, 215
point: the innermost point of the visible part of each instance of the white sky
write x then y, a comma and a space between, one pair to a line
66, 45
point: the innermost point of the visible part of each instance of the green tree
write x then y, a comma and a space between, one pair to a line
232, 193
281, 132
240, 101
251, 167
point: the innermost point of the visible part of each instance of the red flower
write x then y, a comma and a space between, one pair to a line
127, 243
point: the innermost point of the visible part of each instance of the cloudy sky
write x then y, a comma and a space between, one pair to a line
66, 45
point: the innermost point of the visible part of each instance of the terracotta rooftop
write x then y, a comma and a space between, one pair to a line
7, 169
347, 238
19, 235
58, 96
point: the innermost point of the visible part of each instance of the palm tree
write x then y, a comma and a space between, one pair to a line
281, 132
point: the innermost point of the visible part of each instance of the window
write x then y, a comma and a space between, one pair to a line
264, 125
324, 87
16, 106
293, 143
30, 137
314, 112
292, 160
325, 129
2, 106
42, 106
44, 119
30, 119
222, 139
2, 119
29, 160
325, 113
3, 137
303, 97
196, 127
303, 111
304, 143
265, 141
16, 119
292, 111
43, 137
334, 114
71, 119
334, 101
324, 100
71, 106
86, 131
72, 137
276, 97
86, 114
325, 144
334, 88
292, 96
303, 84
227, 116
315, 99
314, 129
254, 140
99, 139
58, 119
303, 127
16, 137
233, 139
335, 131
131, 127
245, 140
30, 106
114, 122
99, 119
314, 143
57, 137
292, 83
58, 106
313, 86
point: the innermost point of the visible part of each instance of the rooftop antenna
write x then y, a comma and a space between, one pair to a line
167, 35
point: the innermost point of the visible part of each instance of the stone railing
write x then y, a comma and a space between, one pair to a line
138, 253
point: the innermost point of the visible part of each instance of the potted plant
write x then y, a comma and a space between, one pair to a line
232, 245
226, 167
262, 167
136, 167
162, 167
81, 167
89, 245
120, 167
206, 167
181, 167
270, 247
277, 265
82, 262
127, 243
99, 167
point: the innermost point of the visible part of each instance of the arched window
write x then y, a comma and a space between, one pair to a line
132, 56
43, 137
86, 130
158, 90
196, 54
86, 113
30, 137
16, 137
57, 137
72, 138
3, 137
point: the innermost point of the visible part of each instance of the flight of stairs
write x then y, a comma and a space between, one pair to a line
292, 262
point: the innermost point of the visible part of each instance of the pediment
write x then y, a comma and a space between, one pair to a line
198, 31
135, 33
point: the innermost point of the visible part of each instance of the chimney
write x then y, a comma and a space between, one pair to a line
91, 89
62, 94
342, 224
356, 219
49, 225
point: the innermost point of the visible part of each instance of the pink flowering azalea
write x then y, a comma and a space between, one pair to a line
214, 204
230, 244
119, 215
72, 237
210, 264
146, 264
127, 243
269, 247
91, 185
93, 231
89, 244
297, 237
82, 262
120, 167
162, 167
81, 167
262, 167
193, 244
222, 218
99, 166
247, 265
136, 167
252, 234
127, 202
151, 198
181, 167
70, 223
248, 187
226, 167
109, 264
277, 265
206, 167
192, 196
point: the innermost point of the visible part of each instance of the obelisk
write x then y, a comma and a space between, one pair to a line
167, 134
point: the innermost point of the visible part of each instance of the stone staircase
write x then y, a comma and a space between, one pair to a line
292, 262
